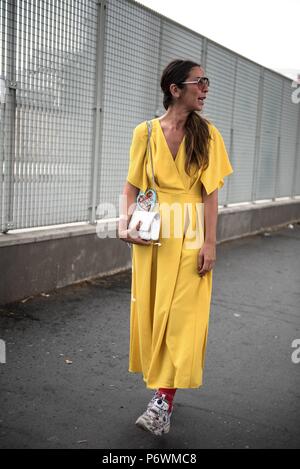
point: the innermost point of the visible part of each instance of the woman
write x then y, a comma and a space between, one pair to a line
172, 279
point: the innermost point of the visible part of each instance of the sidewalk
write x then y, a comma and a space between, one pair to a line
65, 382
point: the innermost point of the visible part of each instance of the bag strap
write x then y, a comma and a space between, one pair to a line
149, 126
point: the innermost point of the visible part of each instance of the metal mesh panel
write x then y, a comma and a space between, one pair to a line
296, 181
234, 103
245, 112
220, 68
55, 73
7, 106
69, 102
130, 65
288, 139
271, 112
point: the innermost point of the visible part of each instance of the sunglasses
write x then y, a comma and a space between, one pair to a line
200, 82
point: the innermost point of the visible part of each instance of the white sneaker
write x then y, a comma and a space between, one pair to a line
156, 418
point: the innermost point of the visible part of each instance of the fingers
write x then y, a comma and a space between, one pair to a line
200, 264
204, 266
144, 242
134, 237
203, 271
140, 241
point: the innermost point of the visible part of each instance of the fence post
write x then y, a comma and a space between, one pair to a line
98, 121
9, 115
231, 143
277, 172
204, 53
258, 135
159, 65
297, 155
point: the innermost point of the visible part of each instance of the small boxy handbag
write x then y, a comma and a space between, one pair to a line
146, 209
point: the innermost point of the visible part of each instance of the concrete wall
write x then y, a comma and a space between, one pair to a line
41, 261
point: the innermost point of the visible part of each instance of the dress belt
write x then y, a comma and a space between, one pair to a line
179, 195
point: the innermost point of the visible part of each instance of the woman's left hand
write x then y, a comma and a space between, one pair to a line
206, 258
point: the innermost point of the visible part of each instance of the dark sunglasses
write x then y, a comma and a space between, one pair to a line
200, 81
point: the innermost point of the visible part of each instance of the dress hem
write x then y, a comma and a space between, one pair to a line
167, 386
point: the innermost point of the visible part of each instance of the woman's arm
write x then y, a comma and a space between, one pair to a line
207, 253
210, 215
128, 199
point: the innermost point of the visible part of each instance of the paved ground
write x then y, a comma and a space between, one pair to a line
251, 392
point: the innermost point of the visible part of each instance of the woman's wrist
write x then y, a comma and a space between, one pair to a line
210, 240
123, 224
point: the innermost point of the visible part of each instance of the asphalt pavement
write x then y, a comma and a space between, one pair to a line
65, 381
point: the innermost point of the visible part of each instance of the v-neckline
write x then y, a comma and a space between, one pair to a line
165, 140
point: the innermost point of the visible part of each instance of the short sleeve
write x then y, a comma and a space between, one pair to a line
219, 165
137, 175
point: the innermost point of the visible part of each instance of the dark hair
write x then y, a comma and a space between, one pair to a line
196, 127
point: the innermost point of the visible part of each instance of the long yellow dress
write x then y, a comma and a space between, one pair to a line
170, 302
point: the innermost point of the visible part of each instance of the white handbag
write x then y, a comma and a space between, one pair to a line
150, 224
146, 209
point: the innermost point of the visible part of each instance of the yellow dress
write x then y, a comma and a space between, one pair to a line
170, 302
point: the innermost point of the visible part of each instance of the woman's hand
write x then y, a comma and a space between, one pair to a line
206, 258
132, 236
128, 206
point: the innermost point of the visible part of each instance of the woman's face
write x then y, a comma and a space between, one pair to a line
192, 95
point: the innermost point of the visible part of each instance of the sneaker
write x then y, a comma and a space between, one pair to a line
156, 418
157, 394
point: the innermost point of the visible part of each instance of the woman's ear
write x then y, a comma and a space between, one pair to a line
174, 90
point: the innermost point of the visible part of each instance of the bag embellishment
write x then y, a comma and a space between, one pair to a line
146, 200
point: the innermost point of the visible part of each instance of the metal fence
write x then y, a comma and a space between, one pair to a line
77, 76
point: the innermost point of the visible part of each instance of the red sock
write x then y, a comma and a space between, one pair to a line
169, 392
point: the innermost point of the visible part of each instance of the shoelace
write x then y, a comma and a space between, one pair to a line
157, 410
158, 395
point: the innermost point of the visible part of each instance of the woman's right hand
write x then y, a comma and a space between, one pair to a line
132, 236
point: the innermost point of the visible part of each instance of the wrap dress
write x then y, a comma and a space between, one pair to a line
170, 302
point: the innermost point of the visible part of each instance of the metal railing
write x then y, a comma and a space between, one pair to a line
77, 76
